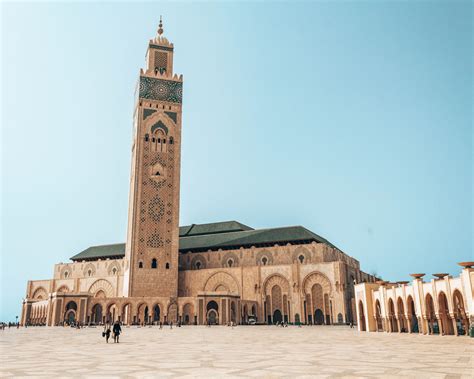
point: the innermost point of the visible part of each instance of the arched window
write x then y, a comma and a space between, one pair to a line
147, 137
198, 265
171, 140
140, 264
153, 263
301, 258
66, 274
114, 271
167, 265
264, 261
230, 262
89, 272
160, 138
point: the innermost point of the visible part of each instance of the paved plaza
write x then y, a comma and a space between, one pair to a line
243, 351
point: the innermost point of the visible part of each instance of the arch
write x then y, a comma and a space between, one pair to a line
143, 314
391, 316
412, 319
65, 272
460, 318
340, 319
126, 314
212, 313
301, 251
96, 314
230, 259
40, 294
276, 298
446, 322
317, 296
101, 285
317, 277
64, 288
154, 263
401, 316
297, 319
112, 312
198, 262
100, 294
71, 305
159, 126
277, 317
362, 316
318, 317
433, 327
113, 268
89, 270
172, 313
156, 313
221, 278
278, 279
264, 258
378, 316
188, 313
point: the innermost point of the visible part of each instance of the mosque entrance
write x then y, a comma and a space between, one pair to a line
277, 318
212, 313
318, 317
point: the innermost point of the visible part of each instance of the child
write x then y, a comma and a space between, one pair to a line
106, 333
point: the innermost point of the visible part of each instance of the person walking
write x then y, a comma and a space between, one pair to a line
106, 333
117, 330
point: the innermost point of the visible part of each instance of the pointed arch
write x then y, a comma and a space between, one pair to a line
102, 285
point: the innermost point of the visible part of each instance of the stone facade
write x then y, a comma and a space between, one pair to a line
229, 272
443, 305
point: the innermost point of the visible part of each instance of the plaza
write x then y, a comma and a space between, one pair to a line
242, 351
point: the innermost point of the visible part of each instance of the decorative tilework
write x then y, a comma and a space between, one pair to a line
159, 125
158, 47
161, 89
148, 112
172, 115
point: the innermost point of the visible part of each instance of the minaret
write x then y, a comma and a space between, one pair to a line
153, 216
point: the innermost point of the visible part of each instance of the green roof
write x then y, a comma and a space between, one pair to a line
220, 235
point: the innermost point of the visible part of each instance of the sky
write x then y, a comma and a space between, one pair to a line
353, 119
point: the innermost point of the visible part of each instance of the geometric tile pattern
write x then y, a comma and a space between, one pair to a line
160, 89
243, 351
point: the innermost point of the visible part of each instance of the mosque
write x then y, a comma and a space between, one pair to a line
225, 271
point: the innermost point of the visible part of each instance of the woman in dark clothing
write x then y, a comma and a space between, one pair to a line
117, 330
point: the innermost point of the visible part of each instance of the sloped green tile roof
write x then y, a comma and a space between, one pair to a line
102, 251
225, 235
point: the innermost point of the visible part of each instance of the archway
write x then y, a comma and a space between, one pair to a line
212, 312
361, 317
277, 317
462, 323
156, 313
70, 313
378, 316
391, 316
96, 314
172, 313
433, 327
446, 323
412, 315
401, 316
188, 312
126, 314
112, 313
318, 317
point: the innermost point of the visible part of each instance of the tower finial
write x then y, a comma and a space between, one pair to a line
160, 27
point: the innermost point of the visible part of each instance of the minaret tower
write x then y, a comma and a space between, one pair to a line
153, 216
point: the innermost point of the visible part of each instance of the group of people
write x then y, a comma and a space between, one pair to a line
3, 325
116, 330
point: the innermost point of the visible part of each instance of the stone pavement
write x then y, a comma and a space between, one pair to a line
243, 351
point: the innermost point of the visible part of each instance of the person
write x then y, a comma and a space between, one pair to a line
351, 324
171, 325
161, 325
106, 333
117, 330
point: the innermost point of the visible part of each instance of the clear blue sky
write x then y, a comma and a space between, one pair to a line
353, 119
